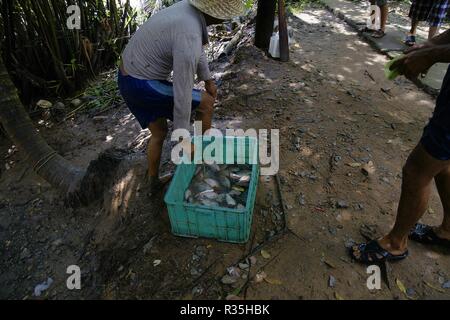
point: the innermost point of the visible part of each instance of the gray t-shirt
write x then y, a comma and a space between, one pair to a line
171, 40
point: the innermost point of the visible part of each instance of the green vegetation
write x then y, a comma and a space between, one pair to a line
44, 57
100, 96
297, 6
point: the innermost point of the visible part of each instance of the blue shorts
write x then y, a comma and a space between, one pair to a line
436, 136
149, 100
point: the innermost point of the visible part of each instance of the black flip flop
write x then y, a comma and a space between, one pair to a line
425, 234
368, 30
372, 253
378, 34
410, 41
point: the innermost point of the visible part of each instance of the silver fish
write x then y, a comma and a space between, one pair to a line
230, 201
235, 169
235, 193
187, 194
225, 182
214, 167
245, 173
225, 173
221, 198
207, 194
199, 176
209, 203
239, 174
235, 176
200, 187
244, 181
218, 185
212, 183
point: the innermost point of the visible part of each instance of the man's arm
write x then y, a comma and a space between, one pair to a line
204, 74
420, 58
441, 53
419, 61
442, 39
185, 63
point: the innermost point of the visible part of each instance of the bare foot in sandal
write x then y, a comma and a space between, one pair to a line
157, 184
378, 34
368, 30
430, 235
373, 253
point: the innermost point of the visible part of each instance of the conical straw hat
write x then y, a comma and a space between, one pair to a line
220, 9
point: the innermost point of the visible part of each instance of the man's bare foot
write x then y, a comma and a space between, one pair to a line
442, 233
166, 178
430, 235
378, 34
372, 253
157, 184
393, 247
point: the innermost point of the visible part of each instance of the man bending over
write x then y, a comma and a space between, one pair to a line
171, 40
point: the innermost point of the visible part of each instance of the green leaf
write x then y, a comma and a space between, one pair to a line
265, 254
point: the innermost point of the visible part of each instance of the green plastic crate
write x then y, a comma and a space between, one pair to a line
224, 224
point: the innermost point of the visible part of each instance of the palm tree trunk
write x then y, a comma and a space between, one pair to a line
56, 170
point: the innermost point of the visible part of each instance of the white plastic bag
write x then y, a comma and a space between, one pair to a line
274, 48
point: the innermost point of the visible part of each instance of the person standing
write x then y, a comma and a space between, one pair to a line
432, 11
384, 12
429, 161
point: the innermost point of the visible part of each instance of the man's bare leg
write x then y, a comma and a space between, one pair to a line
443, 185
419, 171
432, 32
205, 111
158, 130
384, 12
411, 37
414, 25
384, 16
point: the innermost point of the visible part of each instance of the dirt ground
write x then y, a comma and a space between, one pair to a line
335, 112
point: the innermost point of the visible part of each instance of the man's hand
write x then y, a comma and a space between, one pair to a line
211, 88
189, 147
416, 47
415, 63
